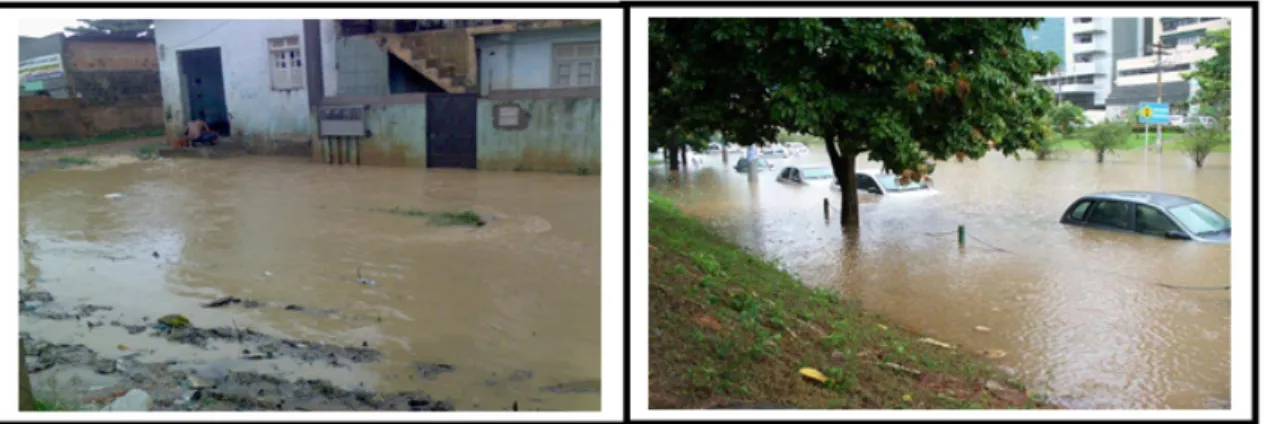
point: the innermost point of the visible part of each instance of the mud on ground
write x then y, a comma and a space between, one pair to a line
194, 386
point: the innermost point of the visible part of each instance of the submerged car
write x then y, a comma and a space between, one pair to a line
775, 152
798, 149
806, 175
759, 164
881, 183
1150, 213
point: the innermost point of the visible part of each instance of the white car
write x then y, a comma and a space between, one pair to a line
775, 152
807, 175
876, 182
798, 149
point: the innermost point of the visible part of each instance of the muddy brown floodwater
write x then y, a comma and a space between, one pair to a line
1079, 312
481, 317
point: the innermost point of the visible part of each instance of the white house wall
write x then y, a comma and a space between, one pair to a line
522, 60
255, 110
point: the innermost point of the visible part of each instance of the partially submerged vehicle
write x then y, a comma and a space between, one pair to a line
1150, 213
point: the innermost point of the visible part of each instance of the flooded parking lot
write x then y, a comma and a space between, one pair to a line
481, 316
1086, 316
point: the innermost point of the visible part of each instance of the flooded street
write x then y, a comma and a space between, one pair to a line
1080, 313
480, 316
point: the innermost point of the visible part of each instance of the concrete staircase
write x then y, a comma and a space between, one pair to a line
447, 57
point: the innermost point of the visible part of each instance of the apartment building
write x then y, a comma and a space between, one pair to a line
1090, 48
1148, 76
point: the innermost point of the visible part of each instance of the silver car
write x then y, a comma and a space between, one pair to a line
880, 183
806, 175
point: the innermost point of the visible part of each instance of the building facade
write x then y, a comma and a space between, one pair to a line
1150, 78
84, 86
503, 95
1090, 48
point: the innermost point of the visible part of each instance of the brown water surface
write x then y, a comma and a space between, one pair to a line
1079, 312
514, 306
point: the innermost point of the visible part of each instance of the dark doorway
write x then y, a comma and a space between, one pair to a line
204, 87
452, 131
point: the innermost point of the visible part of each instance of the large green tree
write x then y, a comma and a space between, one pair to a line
1213, 74
112, 26
907, 92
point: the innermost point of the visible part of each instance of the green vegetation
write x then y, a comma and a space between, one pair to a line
1173, 142
466, 217
906, 91
1201, 141
74, 161
1105, 137
727, 326
582, 170
1064, 118
107, 137
149, 151
1213, 76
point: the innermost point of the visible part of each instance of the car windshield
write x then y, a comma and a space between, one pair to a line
1200, 219
892, 183
817, 173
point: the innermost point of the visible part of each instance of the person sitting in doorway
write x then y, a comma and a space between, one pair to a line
198, 132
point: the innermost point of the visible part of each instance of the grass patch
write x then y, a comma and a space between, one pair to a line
74, 161
728, 327
107, 137
149, 151
467, 217
656, 161
1172, 143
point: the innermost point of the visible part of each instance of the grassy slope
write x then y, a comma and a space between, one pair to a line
1134, 142
728, 327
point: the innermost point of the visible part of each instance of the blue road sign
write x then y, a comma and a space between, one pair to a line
1153, 113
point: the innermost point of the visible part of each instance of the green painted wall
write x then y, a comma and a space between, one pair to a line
398, 136
563, 136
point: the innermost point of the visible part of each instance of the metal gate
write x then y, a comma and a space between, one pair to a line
451, 130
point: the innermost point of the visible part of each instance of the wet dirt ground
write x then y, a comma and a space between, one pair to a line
1085, 316
473, 318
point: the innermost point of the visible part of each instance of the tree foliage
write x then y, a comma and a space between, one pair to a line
1064, 120
1201, 140
112, 26
1106, 137
905, 91
1213, 74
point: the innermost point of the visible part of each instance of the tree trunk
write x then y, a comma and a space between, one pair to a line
673, 152
725, 155
684, 153
844, 169
1100, 153
26, 402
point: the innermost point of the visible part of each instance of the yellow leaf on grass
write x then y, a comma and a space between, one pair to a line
813, 375
882, 326
908, 397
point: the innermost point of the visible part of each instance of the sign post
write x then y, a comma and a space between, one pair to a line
1151, 113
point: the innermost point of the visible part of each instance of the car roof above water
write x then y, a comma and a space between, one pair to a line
1144, 197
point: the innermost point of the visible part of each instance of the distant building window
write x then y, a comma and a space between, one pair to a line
286, 63
1152, 70
1084, 58
1083, 38
1082, 20
575, 65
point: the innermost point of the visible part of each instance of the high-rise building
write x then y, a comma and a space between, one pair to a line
1090, 48
1151, 77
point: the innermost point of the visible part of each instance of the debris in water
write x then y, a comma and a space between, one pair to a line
993, 353
114, 196
982, 329
174, 321
123, 347
812, 374
268, 274
363, 280
156, 255
931, 341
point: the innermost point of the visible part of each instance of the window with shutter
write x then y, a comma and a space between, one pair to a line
286, 61
576, 65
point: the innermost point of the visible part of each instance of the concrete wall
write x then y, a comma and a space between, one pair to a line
398, 127
563, 135
258, 115
360, 67
522, 60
